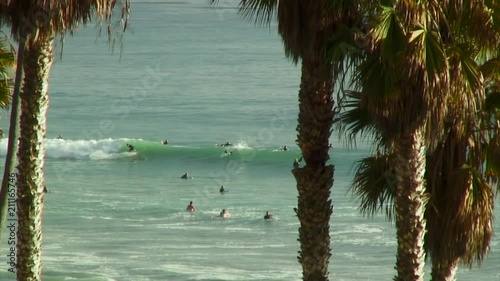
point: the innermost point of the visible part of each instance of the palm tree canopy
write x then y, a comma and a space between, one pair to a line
59, 17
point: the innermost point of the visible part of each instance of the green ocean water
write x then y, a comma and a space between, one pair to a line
197, 76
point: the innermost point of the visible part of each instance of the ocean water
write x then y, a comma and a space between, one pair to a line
197, 76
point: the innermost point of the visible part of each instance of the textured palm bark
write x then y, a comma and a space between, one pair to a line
315, 108
314, 211
444, 272
34, 104
315, 180
409, 202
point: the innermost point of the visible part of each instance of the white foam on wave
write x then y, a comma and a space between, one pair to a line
81, 149
241, 145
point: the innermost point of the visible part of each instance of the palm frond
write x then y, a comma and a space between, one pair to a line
60, 17
492, 155
390, 32
435, 59
491, 69
374, 185
376, 77
356, 121
475, 20
262, 12
346, 46
478, 215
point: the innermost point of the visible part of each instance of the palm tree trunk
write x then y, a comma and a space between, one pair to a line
314, 180
34, 104
315, 108
410, 205
12, 146
444, 272
314, 211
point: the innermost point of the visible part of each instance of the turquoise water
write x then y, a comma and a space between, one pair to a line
197, 76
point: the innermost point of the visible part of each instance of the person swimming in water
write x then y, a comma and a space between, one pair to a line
131, 148
224, 214
186, 176
191, 207
268, 215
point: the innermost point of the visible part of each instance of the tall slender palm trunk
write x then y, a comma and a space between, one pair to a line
410, 206
12, 145
34, 104
315, 180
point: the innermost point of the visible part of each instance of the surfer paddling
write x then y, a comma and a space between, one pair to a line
268, 216
191, 207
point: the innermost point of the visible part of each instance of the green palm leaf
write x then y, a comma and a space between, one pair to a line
374, 185
432, 53
390, 33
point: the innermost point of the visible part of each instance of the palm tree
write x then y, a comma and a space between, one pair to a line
460, 171
307, 28
460, 184
460, 211
6, 61
407, 90
37, 23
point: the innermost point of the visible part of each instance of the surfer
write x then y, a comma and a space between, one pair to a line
165, 141
226, 153
296, 164
60, 137
131, 148
268, 216
224, 144
222, 190
224, 214
191, 207
186, 176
